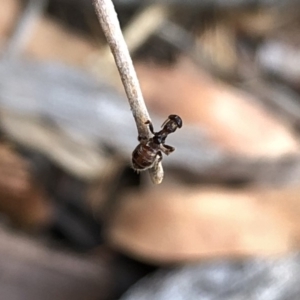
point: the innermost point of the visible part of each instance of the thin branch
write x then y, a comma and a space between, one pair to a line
112, 31
141, 26
110, 24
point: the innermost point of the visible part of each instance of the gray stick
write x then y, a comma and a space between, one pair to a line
110, 24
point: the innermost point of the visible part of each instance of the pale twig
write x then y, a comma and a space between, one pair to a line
146, 22
110, 24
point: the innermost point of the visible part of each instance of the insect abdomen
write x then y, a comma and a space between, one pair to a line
143, 157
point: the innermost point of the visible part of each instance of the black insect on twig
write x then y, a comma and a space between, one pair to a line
148, 152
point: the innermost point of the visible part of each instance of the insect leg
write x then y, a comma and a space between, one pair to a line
166, 149
142, 138
160, 157
149, 123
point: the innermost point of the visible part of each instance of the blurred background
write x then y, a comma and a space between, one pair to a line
76, 222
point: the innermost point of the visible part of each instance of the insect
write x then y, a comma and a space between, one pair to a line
148, 152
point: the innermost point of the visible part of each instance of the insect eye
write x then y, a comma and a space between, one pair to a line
178, 121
